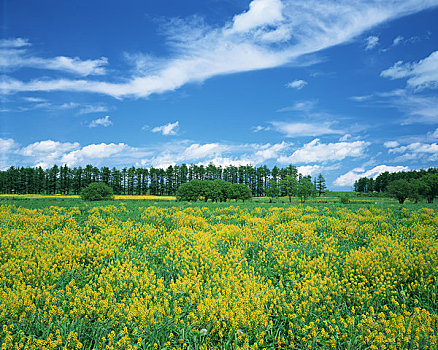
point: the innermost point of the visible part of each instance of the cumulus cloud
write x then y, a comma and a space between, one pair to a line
305, 129
168, 129
260, 13
105, 121
309, 169
271, 33
422, 74
297, 84
48, 152
48, 148
371, 42
269, 151
315, 151
349, 178
93, 153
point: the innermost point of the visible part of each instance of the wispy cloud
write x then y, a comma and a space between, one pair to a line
371, 42
297, 84
415, 107
89, 109
269, 34
168, 129
14, 43
300, 106
105, 122
14, 54
291, 129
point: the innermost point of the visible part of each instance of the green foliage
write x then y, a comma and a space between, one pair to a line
217, 191
344, 198
400, 189
97, 191
240, 192
272, 191
320, 185
289, 186
305, 189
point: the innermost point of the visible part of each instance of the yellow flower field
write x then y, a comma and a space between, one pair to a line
218, 278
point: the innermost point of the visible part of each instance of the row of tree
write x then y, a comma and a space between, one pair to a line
381, 182
141, 181
220, 190
403, 185
216, 190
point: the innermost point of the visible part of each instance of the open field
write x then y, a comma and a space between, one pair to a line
155, 274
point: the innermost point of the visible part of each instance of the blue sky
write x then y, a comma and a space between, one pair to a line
346, 89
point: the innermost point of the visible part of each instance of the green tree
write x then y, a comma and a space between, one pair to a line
240, 192
400, 189
97, 191
320, 185
289, 186
429, 187
272, 190
305, 189
189, 191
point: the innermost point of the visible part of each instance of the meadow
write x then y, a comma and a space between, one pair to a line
149, 273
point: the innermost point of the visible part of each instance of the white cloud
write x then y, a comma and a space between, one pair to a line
297, 84
14, 43
345, 137
105, 121
93, 153
305, 129
435, 133
417, 151
48, 148
391, 144
422, 74
270, 34
89, 109
48, 152
349, 178
371, 42
197, 151
168, 129
15, 56
361, 98
269, 151
315, 151
309, 169
300, 106
417, 108
259, 128
260, 13
399, 39
6, 145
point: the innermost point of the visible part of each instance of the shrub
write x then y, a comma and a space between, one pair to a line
97, 191
344, 198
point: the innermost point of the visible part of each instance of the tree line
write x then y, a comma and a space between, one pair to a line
141, 181
415, 184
